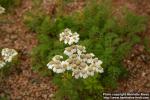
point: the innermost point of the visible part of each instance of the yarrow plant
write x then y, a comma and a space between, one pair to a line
105, 36
2, 10
81, 64
7, 56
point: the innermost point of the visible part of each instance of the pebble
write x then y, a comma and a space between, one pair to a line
51, 95
147, 84
143, 74
44, 96
14, 37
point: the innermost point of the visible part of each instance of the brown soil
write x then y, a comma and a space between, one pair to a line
138, 62
27, 85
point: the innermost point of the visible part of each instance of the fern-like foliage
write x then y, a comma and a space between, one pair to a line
100, 32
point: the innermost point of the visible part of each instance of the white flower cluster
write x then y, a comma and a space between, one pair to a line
69, 51
56, 64
7, 55
81, 64
68, 37
2, 10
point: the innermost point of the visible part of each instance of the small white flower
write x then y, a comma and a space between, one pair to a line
2, 64
65, 65
65, 41
69, 51
90, 71
68, 31
7, 59
2, 10
57, 58
70, 41
68, 37
83, 74
99, 69
50, 65
61, 36
89, 61
76, 37
8, 54
56, 65
76, 74
79, 52
69, 67
54, 70
58, 68
98, 63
